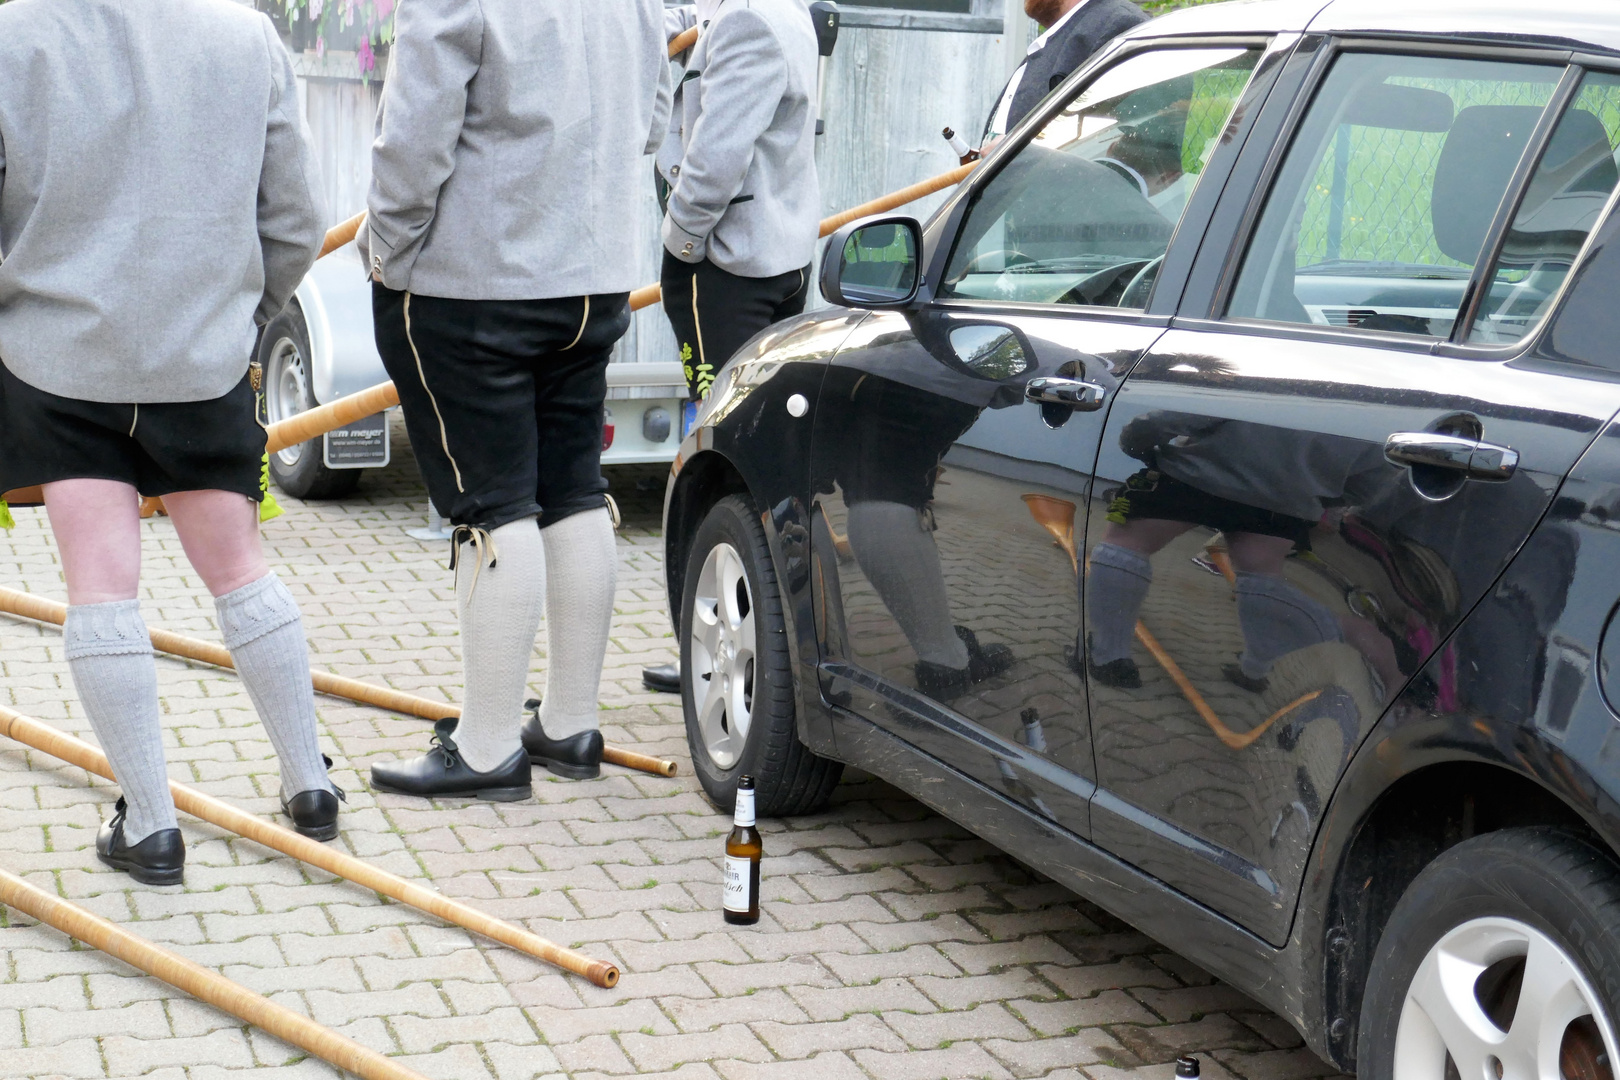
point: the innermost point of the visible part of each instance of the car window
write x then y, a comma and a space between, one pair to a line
1385, 198
1084, 212
1566, 197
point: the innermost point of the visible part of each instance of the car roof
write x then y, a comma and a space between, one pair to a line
1572, 24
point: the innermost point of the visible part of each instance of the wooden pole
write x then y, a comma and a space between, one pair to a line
339, 235
899, 198
201, 983
74, 751
40, 609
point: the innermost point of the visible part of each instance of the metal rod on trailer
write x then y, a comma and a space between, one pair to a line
201, 983
59, 744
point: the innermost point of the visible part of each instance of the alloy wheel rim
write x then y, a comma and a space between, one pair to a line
288, 391
1496, 999
722, 661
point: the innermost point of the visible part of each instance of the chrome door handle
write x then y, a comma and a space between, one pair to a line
1075, 393
1476, 460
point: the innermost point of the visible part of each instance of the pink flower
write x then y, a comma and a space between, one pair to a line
368, 59
385, 8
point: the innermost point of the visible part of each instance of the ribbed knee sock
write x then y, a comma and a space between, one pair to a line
584, 560
1277, 619
110, 656
899, 557
1116, 586
263, 631
500, 605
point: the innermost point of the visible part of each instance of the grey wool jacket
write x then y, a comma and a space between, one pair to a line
741, 154
510, 161
158, 195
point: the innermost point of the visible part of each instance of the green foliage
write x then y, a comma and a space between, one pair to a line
1159, 7
364, 25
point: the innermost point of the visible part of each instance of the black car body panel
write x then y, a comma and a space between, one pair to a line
1264, 826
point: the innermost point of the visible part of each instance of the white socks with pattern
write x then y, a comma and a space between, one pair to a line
263, 631
901, 560
584, 559
110, 656
500, 607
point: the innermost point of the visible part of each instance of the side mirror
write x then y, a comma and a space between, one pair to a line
873, 263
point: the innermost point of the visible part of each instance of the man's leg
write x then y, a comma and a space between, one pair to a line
581, 552
262, 628
467, 393
97, 527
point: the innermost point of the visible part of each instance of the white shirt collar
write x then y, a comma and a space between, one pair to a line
1040, 43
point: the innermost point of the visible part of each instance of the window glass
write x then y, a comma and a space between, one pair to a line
1386, 196
1561, 207
1084, 213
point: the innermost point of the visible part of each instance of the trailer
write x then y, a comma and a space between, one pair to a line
903, 70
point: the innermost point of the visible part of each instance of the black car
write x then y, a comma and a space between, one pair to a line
1216, 505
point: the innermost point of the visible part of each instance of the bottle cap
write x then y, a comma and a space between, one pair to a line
1187, 1068
746, 781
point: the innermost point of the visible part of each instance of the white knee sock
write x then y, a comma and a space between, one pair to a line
584, 561
500, 604
899, 557
263, 631
1277, 619
1116, 586
110, 656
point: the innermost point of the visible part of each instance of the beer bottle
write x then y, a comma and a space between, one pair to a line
743, 850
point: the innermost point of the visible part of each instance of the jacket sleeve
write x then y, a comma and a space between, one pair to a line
438, 46
742, 84
291, 214
678, 20
664, 103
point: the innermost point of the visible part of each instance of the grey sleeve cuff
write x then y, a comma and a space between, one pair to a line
685, 246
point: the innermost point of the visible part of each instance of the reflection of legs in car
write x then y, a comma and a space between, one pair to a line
1117, 583
1277, 619
897, 553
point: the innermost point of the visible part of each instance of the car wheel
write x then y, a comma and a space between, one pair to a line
285, 355
1500, 962
737, 684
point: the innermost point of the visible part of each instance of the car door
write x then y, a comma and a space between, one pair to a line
954, 442
1333, 453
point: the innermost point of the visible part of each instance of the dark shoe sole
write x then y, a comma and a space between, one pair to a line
658, 686
143, 874
566, 770
322, 833
494, 794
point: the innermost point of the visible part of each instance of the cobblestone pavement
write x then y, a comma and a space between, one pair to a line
894, 944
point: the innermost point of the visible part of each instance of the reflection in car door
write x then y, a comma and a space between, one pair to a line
1297, 504
954, 444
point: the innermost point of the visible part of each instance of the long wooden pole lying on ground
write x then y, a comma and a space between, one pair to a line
201, 983
59, 744
29, 606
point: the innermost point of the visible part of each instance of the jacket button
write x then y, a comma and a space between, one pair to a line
687, 250
675, 170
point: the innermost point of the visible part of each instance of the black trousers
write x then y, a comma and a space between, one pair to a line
715, 313
503, 399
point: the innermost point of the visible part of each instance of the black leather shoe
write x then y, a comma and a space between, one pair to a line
1235, 675
442, 772
160, 859
665, 678
984, 662
314, 813
1121, 674
578, 757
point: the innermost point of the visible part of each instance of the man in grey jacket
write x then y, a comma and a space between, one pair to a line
745, 201
744, 209
157, 199
512, 146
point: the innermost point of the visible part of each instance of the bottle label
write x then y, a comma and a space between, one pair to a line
741, 882
745, 807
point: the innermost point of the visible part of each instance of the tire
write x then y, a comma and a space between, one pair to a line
1497, 931
285, 355
732, 625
